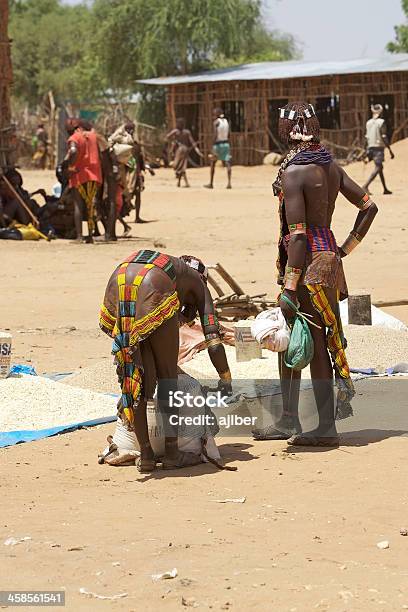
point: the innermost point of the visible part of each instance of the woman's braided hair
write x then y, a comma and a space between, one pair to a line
298, 122
196, 264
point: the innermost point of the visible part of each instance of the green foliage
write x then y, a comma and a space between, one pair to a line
152, 107
51, 51
400, 44
181, 36
82, 51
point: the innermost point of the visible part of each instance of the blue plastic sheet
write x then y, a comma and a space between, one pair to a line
9, 438
20, 368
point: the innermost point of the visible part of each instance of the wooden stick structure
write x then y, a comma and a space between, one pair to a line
235, 305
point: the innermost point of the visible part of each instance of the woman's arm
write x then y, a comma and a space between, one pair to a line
194, 144
170, 135
367, 211
295, 210
211, 330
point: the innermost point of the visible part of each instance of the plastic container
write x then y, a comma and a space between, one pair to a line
5, 354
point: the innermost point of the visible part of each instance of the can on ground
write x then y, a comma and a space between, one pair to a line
5, 354
246, 347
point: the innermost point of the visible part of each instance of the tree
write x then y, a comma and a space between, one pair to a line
51, 51
136, 39
400, 45
85, 52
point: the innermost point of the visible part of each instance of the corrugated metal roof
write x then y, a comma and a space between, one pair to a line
288, 70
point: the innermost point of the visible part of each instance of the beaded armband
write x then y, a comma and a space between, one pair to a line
365, 202
212, 339
292, 276
297, 228
226, 376
210, 319
351, 242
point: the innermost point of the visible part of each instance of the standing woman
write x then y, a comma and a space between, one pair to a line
311, 271
85, 174
184, 142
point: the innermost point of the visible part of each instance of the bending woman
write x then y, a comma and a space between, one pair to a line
147, 298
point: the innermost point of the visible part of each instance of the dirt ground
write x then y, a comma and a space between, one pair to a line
306, 536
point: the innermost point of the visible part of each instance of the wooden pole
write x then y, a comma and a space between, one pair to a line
385, 303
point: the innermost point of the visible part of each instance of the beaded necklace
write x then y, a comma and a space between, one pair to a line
277, 185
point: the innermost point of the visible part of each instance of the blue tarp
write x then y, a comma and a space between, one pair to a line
9, 438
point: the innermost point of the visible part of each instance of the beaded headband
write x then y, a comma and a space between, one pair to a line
307, 113
196, 264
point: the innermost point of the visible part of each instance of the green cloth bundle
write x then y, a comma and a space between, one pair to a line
301, 346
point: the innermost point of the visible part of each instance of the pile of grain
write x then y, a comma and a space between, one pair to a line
100, 377
374, 347
34, 402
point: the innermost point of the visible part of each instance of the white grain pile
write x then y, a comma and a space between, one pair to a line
100, 376
34, 402
374, 347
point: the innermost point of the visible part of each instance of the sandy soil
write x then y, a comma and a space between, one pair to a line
306, 536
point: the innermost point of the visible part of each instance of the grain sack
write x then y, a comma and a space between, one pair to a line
189, 440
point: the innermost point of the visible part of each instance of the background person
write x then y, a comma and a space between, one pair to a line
85, 174
377, 140
184, 142
40, 143
221, 148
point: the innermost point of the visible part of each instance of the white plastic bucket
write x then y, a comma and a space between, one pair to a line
5, 354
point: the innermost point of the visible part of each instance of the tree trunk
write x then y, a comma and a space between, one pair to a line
6, 130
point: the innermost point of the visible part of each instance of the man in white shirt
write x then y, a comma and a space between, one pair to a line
221, 148
377, 140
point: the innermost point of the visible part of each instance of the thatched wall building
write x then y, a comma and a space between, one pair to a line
251, 95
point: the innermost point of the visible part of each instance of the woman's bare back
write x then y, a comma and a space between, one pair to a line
321, 187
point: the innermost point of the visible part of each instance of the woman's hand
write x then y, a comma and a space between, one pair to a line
287, 310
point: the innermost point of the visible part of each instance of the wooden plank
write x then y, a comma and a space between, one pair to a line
215, 285
228, 279
385, 303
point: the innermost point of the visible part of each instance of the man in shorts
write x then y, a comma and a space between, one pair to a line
221, 148
377, 140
